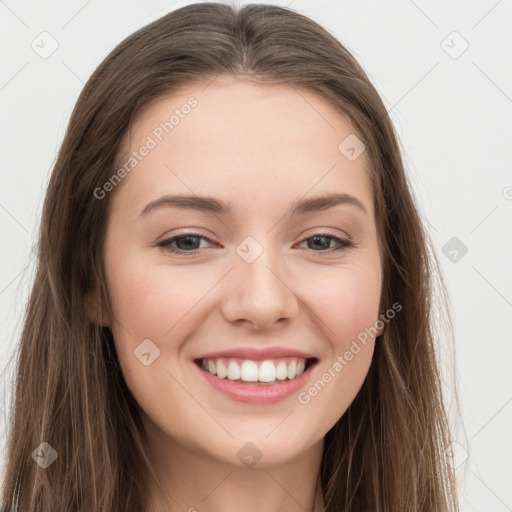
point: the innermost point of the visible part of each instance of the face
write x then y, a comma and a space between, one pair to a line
266, 279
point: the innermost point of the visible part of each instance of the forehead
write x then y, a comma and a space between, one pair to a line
245, 142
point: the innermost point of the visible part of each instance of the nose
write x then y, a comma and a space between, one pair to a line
260, 294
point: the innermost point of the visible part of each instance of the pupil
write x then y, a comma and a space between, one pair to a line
188, 238
324, 238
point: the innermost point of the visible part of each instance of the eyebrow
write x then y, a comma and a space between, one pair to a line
216, 206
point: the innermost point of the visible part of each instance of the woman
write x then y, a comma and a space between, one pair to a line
287, 361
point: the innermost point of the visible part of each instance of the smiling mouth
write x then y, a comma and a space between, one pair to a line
257, 373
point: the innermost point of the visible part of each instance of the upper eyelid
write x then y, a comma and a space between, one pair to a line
318, 232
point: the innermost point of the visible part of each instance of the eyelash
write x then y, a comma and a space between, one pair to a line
344, 244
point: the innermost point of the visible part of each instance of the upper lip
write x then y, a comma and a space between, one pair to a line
258, 354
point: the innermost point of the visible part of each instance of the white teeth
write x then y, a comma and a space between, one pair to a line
292, 370
267, 372
249, 371
281, 370
254, 371
222, 371
233, 370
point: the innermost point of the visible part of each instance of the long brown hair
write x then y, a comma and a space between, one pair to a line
387, 453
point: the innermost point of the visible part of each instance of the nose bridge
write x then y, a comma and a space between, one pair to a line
258, 264
258, 286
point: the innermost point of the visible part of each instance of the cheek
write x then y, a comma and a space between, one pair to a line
346, 306
153, 301
335, 385
346, 300
158, 303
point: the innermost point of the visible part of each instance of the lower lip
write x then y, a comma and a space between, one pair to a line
254, 393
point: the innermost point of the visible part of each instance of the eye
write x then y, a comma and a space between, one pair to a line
320, 240
190, 241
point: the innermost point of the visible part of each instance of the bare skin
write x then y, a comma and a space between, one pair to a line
259, 149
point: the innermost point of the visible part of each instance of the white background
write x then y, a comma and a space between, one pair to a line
454, 121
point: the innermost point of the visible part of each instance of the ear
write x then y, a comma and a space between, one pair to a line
95, 313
